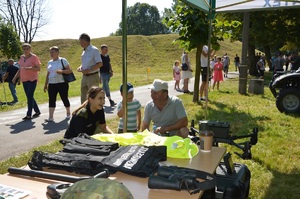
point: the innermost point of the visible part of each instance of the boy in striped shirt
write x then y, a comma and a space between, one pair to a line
133, 111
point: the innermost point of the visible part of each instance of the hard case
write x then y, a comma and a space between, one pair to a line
231, 186
220, 129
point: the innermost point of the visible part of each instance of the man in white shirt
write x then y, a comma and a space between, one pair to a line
90, 63
204, 70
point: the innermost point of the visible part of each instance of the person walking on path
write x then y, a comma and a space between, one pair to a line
204, 71
237, 62
30, 66
278, 63
186, 71
55, 82
90, 64
226, 63
218, 73
9, 75
261, 67
106, 73
176, 75
133, 111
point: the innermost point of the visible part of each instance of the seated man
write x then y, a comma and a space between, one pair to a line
167, 113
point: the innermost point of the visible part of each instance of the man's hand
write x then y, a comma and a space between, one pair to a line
79, 69
45, 88
161, 130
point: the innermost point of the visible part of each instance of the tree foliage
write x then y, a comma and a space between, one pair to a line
143, 19
27, 16
10, 45
270, 31
193, 28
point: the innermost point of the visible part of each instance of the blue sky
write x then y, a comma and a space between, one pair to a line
98, 18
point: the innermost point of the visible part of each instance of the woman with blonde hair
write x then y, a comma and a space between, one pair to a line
186, 73
30, 66
55, 82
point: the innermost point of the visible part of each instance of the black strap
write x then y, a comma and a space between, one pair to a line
62, 63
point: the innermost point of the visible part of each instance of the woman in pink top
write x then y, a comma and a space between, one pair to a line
28, 73
218, 74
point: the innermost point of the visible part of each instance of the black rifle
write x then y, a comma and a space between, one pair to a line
55, 176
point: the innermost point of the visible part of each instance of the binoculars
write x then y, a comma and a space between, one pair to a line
176, 178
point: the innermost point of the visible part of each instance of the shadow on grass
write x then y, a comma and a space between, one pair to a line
279, 180
53, 127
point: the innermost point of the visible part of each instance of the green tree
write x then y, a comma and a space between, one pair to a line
143, 19
193, 28
10, 45
270, 31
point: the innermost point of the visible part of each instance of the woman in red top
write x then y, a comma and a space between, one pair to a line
28, 73
218, 73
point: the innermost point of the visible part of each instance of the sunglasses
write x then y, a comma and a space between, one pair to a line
27, 48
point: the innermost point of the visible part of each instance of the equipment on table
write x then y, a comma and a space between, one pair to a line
54, 191
55, 176
179, 178
89, 188
223, 135
233, 182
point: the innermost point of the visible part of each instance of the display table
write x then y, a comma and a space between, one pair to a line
205, 161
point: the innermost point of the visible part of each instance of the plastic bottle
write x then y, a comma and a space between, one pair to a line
153, 128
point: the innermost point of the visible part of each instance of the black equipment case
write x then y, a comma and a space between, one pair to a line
220, 129
231, 186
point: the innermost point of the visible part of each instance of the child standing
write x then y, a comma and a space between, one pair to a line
218, 76
133, 111
176, 74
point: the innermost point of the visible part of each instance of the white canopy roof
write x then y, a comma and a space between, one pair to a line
243, 5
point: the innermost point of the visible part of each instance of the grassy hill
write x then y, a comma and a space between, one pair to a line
155, 52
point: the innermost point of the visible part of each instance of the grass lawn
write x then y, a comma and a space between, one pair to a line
275, 164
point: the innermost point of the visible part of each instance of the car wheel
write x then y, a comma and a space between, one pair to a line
288, 100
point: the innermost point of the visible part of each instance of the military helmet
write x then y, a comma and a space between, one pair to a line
97, 188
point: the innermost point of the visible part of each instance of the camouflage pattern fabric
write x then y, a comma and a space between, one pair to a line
97, 188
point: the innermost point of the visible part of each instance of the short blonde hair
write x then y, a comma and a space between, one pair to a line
26, 45
103, 46
54, 48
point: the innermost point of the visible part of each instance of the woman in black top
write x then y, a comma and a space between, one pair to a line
89, 115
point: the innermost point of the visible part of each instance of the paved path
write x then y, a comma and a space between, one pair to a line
17, 136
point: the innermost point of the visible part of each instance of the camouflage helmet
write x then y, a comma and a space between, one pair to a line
97, 188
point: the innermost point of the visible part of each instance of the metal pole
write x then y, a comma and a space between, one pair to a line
244, 67
124, 62
210, 16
